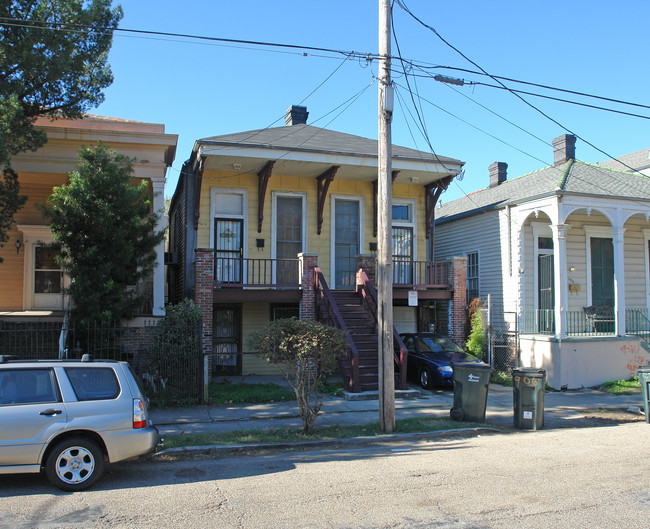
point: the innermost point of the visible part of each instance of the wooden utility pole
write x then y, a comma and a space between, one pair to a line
384, 241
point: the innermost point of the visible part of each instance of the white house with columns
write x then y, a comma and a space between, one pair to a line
566, 249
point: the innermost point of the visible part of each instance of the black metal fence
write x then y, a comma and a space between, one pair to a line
166, 358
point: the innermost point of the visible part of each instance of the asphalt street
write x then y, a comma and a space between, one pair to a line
561, 478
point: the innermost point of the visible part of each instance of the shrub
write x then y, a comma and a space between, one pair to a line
305, 352
477, 342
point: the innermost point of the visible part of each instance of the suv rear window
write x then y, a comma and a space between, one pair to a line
27, 386
98, 383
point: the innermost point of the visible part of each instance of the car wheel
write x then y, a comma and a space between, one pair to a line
74, 464
425, 378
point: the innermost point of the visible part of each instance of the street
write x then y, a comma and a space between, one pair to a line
563, 478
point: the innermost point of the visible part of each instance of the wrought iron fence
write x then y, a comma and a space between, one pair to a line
167, 359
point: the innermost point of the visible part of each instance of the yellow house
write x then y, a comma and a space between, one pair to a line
32, 284
279, 222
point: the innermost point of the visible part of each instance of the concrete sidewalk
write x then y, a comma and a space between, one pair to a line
561, 409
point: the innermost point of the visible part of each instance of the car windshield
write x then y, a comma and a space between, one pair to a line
437, 344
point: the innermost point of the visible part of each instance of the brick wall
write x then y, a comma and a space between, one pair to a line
368, 264
458, 304
308, 262
203, 293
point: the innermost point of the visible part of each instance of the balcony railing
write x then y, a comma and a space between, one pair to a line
239, 272
590, 321
420, 274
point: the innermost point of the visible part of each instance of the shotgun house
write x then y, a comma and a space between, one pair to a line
566, 251
32, 283
282, 222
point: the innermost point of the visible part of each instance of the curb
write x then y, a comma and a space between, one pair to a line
349, 441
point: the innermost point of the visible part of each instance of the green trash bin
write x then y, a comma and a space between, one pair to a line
471, 381
528, 398
644, 378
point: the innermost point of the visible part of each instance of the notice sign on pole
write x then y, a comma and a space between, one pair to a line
413, 298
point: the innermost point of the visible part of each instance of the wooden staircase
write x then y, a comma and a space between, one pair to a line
363, 332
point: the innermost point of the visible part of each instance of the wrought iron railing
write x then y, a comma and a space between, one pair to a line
239, 272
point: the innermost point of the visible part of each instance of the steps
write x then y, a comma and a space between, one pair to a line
363, 331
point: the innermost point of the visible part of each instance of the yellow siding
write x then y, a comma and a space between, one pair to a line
254, 317
319, 244
11, 273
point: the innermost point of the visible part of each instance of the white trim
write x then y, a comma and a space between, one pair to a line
274, 218
33, 235
540, 229
244, 215
604, 232
646, 260
333, 199
411, 223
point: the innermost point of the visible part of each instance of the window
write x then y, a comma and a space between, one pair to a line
27, 386
281, 311
93, 383
472, 276
602, 272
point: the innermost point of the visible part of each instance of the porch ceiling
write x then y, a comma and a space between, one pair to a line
310, 165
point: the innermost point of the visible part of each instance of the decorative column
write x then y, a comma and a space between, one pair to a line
560, 286
458, 304
158, 307
307, 263
619, 279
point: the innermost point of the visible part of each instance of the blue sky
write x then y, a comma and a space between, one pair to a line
206, 89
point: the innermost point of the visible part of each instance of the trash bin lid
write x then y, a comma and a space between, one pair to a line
471, 365
529, 371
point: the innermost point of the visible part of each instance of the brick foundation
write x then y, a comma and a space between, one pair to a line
308, 262
458, 303
203, 294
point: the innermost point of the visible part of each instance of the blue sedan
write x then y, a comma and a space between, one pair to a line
431, 356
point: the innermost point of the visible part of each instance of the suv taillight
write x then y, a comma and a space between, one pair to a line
139, 414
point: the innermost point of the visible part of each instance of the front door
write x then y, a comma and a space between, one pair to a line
546, 294
228, 243
226, 333
346, 243
402, 255
602, 272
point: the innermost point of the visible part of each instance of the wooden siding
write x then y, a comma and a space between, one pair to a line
319, 244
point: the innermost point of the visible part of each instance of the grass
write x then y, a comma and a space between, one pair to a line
226, 392
622, 387
283, 435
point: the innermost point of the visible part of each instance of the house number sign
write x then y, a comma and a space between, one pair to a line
527, 381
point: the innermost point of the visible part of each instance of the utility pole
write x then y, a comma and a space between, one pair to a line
384, 241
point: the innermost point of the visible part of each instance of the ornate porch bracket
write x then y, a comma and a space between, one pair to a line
263, 177
324, 181
432, 193
199, 185
375, 191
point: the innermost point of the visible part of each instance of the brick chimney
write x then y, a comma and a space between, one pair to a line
564, 148
296, 115
498, 173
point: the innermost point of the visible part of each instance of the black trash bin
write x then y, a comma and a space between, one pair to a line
528, 398
471, 381
644, 378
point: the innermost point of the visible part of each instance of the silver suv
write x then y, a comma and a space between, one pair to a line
69, 418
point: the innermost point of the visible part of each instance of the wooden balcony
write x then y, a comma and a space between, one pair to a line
247, 279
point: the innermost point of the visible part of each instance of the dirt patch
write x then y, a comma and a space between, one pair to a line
609, 417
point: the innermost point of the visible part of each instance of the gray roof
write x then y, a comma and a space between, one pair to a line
314, 139
638, 160
573, 177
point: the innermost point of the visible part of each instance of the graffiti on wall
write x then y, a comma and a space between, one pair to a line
635, 357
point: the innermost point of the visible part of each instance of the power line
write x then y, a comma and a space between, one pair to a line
435, 32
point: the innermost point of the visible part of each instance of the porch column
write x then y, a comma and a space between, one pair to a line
307, 263
158, 308
458, 303
619, 279
560, 285
203, 295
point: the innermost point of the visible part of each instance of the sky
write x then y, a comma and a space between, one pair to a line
199, 89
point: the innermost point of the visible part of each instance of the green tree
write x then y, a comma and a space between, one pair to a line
477, 341
306, 353
53, 62
104, 225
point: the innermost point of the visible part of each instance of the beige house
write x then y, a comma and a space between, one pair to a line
32, 284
